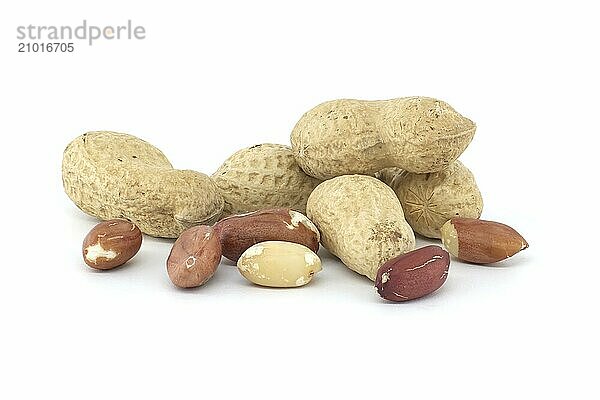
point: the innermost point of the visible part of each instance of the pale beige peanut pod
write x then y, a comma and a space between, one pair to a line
429, 200
417, 134
115, 175
361, 222
279, 264
263, 176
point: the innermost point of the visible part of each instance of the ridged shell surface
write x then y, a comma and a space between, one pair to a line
263, 176
115, 175
361, 222
429, 200
417, 134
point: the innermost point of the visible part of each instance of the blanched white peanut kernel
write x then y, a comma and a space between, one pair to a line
92, 253
279, 264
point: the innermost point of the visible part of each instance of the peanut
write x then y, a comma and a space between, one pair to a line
194, 257
111, 243
361, 221
429, 200
481, 242
239, 232
263, 176
414, 274
114, 175
279, 264
417, 134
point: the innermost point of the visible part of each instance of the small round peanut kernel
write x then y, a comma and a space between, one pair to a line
194, 257
111, 243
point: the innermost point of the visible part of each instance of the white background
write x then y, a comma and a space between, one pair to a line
212, 78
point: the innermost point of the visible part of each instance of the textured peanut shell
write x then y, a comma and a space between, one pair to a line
417, 134
115, 175
429, 200
263, 176
361, 222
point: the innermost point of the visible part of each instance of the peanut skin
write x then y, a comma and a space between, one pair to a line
239, 232
414, 274
111, 244
481, 242
194, 257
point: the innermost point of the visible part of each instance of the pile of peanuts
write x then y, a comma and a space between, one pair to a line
360, 178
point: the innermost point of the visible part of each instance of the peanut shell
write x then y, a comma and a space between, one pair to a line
417, 134
361, 221
115, 175
429, 200
263, 176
